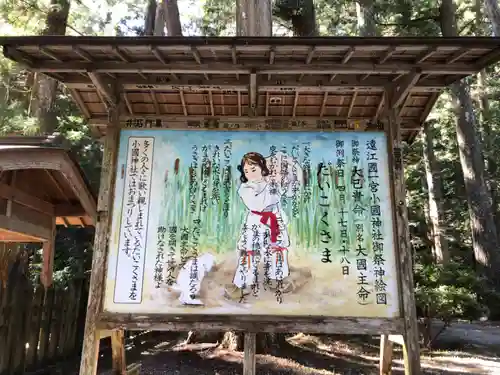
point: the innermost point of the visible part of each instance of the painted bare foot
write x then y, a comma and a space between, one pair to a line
190, 300
287, 286
232, 292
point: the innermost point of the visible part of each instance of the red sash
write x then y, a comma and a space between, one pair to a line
269, 218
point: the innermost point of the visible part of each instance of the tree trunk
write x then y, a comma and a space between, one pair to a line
149, 22
485, 121
484, 236
493, 13
366, 18
160, 20
44, 105
434, 189
301, 14
172, 17
253, 18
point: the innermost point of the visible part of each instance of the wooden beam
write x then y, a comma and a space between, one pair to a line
379, 108
118, 352
487, 59
195, 122
197, 57
347, 56
77, 184
402, 239
387, 55
309, 58
96, 120
16, 195
211, 101
158, 55
239, 104
155, 102
69, 209
84, 55
8, 209
425, 55
429, 106
90, 350
351, 104
118, 53
385, 355
349, 84
266, 323
457, 55
127, 103
229, 68
295, 102
249, 346
49, 54
323, 104
103, 87
48, 254
19, 56
13, 224
79, 100
252, 95
400, 89
183, 102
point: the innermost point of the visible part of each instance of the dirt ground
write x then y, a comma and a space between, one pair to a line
322, 292
464, 349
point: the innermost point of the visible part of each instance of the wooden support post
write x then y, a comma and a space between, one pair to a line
90, 351
118, 352
411, 341
249, 358
48, 250
385, 355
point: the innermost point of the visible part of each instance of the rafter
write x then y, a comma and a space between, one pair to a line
183, 102
425, 55
49, 54
155, 102
252, 95
400, 89
295, 102
127, 103
103, 87
323, 104
211, 101
387, 55
348, 55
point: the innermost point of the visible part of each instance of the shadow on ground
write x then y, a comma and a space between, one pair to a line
305, 355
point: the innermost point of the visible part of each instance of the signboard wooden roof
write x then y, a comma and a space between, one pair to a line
193, 81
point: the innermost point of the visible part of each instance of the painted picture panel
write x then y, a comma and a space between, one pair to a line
231, 222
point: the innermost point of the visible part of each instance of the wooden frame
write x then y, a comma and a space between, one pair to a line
164, 80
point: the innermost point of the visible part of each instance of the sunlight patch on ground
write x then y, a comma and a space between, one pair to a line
458, 362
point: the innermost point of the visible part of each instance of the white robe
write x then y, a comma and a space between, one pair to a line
255, 239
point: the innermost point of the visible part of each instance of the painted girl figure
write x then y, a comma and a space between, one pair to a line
264, 241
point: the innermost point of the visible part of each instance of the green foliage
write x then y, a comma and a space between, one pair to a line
448, 292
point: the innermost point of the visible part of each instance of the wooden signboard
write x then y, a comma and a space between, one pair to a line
246, 223
259, 231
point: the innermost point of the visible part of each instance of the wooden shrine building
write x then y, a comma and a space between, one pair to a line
41, 186
266, 84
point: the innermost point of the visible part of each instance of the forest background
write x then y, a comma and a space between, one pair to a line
451, 172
